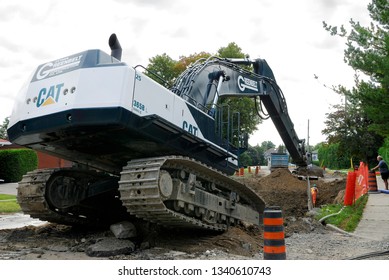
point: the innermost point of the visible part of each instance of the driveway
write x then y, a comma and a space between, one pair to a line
15, 220
8, 188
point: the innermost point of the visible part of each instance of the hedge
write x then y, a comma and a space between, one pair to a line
14, 163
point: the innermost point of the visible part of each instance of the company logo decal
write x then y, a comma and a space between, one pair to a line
57, 67
246, 83
49, 96
190, 128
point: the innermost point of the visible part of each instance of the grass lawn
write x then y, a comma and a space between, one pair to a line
349, 217
8, 204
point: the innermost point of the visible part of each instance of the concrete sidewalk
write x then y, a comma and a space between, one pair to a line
375, 219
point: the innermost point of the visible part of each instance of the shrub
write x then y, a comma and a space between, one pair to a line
316, 162
14, 163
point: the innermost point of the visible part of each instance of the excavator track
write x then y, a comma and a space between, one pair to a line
151, 189
36, 194
31, 198
171, 191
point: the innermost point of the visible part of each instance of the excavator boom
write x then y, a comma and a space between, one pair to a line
225, 77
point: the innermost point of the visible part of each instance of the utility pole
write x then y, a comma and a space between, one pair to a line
309, 149
309, 195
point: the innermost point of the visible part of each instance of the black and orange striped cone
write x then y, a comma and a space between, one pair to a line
372, 182
273, 235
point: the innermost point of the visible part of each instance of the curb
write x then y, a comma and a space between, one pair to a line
334, 228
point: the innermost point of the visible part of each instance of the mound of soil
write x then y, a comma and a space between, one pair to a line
283, 189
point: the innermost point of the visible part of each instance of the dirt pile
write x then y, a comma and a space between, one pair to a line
281, 188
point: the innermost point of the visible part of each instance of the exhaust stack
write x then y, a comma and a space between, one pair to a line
116, 49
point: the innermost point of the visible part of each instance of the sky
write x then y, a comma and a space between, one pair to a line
289, 35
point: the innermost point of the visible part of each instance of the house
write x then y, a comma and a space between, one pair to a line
267, 154
44, 160
4, 143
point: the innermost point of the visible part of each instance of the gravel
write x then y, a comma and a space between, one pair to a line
328, 244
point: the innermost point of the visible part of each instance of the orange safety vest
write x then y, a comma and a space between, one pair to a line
314, 195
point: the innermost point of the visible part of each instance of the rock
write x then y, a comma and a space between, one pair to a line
123, 230
145, 245
339, 199
58, 248
110, 246
246, 246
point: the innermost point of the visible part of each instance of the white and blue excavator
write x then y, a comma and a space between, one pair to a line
162, 154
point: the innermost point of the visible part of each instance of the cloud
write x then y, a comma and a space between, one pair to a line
27, 11
179, 32
9, 45
156, 4
8, 12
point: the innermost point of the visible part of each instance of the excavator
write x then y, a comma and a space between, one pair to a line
162, 154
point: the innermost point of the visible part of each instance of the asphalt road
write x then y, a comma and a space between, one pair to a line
8, 188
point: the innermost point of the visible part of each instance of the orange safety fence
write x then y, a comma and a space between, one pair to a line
350, 188
361, 181
357, 184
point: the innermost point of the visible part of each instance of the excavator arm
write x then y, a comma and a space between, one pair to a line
203, 83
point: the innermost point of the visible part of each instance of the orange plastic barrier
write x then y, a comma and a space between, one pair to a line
273, 235
357, 184
350, 188
361, 183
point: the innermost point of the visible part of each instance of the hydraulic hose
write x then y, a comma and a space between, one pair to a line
331, 215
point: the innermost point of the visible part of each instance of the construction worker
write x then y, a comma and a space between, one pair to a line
384, 170
314, 194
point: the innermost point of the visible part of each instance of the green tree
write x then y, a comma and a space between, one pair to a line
185, 61
260, 152
332, 157
367, 51
281, 149
384, 150
162, 68
266, 145
348, 126
245, 159
254, 155
231, 51
3, 129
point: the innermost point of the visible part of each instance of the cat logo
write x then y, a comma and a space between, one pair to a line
190, 128
49, 96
